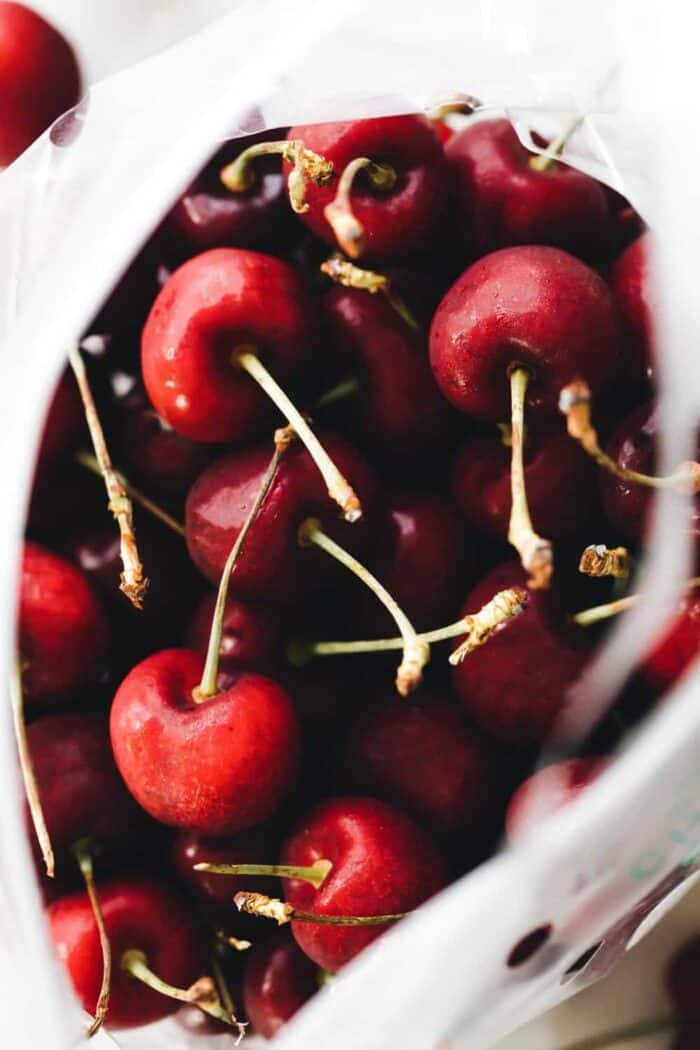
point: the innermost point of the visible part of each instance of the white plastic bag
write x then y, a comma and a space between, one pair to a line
74, 210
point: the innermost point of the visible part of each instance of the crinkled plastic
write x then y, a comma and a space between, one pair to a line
74, 210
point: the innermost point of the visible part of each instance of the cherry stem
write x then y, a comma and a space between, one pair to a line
133, 582
479, 626
82, 851
27, 769
603, 612
345, 388
575, 404
535, 552
85, 459
233, 942
339, 488
239, 177
599, 560
315, 873
208, 686
544, 161
343, 272
465, 105
416, 653
282, 913
348, 231
202, 993
226, 998
625, 1034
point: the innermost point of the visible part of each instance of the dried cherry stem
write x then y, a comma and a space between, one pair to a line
208, 686
479, 626
348, 231
416, 653
238, 176
599, 560
315, 873
603, 612
82, 852
535, 552
339, 488
87, 460
626, 1034
202, 993
461, 104
575, 404
133, 582
282, 913
342, 271
233, 942
544, 161
226, 999
27, 769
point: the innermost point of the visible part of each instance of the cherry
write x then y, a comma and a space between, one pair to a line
382, 863
208, 215
677, 648
278, 980
561, 483
395, 171
250, 636
509, 196
515, 686
63, 425
138, 915
40, 78
549, 790
421, 757
191, 848
63, 632
632, 287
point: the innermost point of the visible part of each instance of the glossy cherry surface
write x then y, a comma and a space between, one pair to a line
256, 846
278, 980
631, 284
549, 790
250, 637
677, 648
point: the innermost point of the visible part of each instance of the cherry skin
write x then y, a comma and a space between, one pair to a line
255, 846
242, 745
250, 637
211, 306
39, 78
549, 790
534, 306
63, 425
208, 215
397, 222
383, 864
514, 686
272, 564
503, 201
421, 757
63, 632
631, 286
138, 915
561, 482
277, 981
677, 648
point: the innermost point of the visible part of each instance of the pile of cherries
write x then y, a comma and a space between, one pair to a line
350, 382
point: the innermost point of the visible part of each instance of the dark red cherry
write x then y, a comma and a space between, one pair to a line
209, 309
561, 482
549, 790
39, 78
272, 563
278, 980
397, 221
420, 756
63, 425
631, 284
63, 632
535, 306
250, 637
138, 915
241, 745
677, 648
256, 846
503, 200
515, 686
382, 863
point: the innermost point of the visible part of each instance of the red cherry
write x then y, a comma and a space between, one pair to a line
250, 637
677, 648
398, 219
683, 978
442, 129
504, 200
249, 847
534, 306
549, 790
208, 309
420, 756
138, 915
631, 286
241, 745
278, 980
63, 633
39, 78
561, 482
382, 863
514, 687
271, 563
63, 424
208, 215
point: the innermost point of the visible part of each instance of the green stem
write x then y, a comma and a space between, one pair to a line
345, 388
83, 855
544, 161
226, 998
238, 175
348, 231
135, 964
603, 612
85, 459
315, 873
27, 769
